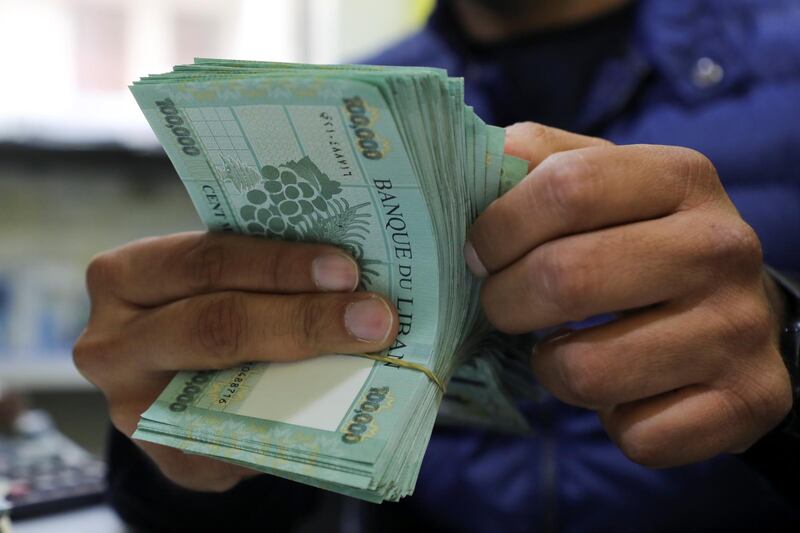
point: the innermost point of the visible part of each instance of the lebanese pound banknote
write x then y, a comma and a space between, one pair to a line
386, 163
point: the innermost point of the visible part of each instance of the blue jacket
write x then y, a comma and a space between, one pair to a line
745, 117
720, 76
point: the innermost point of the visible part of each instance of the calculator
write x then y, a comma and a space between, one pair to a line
43, 472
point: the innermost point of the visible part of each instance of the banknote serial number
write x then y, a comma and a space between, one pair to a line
191, 388
235, 383
176, 125
359, 122
363, 416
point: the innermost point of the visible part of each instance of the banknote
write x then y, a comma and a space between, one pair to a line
386, 163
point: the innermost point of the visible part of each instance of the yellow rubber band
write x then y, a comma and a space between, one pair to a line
405, 364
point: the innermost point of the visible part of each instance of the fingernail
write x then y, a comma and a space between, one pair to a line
335, 272
473, 261
369, 320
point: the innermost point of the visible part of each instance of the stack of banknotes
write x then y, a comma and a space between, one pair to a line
390, 165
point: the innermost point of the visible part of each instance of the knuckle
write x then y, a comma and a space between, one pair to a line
696, 173
82, 352
92, 352
736, 245
760, 396
221, 326
205, 264
567, 187
699, 164
779, 401
747, 326
102, 272
561, 278
755, 321
738, 407
277, 268
309, 318
580, 374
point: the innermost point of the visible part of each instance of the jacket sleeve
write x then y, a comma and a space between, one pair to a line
777, 454
147, 500
777, 458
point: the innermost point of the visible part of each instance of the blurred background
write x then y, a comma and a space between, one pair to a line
80, 170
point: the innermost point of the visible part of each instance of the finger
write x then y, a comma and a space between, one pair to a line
195, 472
632, 358
587, 189
155, 271
612, 270
224, 329
190, 471
535, 142
680, 427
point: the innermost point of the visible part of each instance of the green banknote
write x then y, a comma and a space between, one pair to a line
390, 165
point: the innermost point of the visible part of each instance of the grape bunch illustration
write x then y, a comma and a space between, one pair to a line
296, 201
280, 196
285, 196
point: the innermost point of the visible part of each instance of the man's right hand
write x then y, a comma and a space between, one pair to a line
210, 301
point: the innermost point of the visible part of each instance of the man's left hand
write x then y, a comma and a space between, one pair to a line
690, 365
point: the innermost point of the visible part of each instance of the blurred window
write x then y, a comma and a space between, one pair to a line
67, 63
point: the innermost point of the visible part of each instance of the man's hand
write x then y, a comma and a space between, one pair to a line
202, 301
690, 367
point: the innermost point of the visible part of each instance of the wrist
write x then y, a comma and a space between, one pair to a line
785, 299
776, 455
